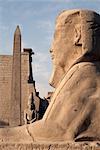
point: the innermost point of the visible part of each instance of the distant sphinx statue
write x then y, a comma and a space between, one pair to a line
74, 111
30, 115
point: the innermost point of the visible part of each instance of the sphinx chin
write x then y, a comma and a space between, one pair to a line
56, 76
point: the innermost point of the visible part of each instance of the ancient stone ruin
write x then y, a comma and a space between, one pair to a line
16, 84
72, 119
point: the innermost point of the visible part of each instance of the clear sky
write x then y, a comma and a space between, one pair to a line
37, 20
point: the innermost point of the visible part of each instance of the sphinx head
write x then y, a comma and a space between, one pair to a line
76, 38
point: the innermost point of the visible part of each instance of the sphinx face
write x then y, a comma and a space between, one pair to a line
59, 53
63, 50
76, 36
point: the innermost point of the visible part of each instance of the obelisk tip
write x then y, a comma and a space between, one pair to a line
17, 31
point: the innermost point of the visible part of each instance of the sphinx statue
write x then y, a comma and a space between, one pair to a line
30, 114
74, 111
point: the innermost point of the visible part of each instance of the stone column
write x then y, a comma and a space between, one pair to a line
15, 115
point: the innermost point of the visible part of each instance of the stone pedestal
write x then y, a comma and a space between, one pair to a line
51, 146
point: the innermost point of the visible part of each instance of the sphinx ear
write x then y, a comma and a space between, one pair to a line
77, 38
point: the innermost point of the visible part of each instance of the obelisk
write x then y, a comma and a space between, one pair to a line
15, 115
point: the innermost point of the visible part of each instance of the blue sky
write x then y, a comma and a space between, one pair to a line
37, 20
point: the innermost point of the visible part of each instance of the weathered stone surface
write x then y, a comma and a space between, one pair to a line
15, 105
5, 83
50, 146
